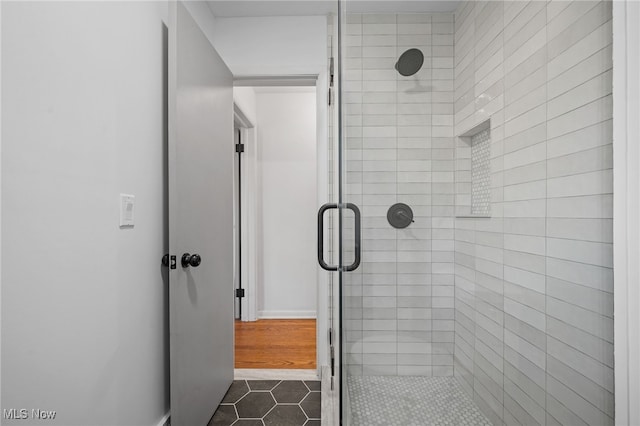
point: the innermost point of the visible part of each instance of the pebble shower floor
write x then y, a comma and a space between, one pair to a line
411, 401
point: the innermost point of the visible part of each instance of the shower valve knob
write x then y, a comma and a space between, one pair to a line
190, 260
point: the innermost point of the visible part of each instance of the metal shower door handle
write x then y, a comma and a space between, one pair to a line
356, 213
356, 261
321, 212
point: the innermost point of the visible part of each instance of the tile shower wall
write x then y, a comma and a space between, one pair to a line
399, 137
533, 290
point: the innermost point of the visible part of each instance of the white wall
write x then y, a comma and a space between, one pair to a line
83, 302
287, 207
203, 16
282, 45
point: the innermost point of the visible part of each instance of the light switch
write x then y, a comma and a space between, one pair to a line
127, 204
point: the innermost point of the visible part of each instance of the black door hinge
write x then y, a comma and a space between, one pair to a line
333, 360
331, 65
240, 292
330, 92
239, 147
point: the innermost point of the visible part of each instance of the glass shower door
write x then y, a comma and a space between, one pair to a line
397, 163
339, 228
483, 178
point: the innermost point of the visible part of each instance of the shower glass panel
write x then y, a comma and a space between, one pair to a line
485, 297
397, 100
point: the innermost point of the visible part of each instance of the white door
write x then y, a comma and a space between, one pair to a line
200, 222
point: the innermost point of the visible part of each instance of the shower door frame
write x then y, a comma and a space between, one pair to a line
626, 210
332, 374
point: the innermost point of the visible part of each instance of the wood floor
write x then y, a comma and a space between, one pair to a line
277, 343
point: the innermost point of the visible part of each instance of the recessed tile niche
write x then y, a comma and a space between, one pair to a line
473, 172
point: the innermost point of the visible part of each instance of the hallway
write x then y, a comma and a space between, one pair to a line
276, 343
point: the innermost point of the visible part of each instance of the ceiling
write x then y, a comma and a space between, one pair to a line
246, 8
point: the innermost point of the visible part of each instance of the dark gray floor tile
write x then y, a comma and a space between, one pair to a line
309, 423
290, 391
255, 405
311, 405
314, 385
237, 390
285, 415
225, 415
262, 384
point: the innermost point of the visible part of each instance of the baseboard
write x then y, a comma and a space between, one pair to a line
164, 421
286, 314
274, 374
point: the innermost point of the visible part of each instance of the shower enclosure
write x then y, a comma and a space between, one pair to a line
487, 296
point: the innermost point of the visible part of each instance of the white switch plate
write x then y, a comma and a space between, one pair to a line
127, 205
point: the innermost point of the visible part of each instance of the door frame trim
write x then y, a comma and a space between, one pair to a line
248, 214
320, 81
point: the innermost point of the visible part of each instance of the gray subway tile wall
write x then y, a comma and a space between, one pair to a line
533, 283
399, 148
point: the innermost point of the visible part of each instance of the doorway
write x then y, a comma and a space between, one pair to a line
239, 292
275, 278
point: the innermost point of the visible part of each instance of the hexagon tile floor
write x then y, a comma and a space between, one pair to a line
269, 403
411, 401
